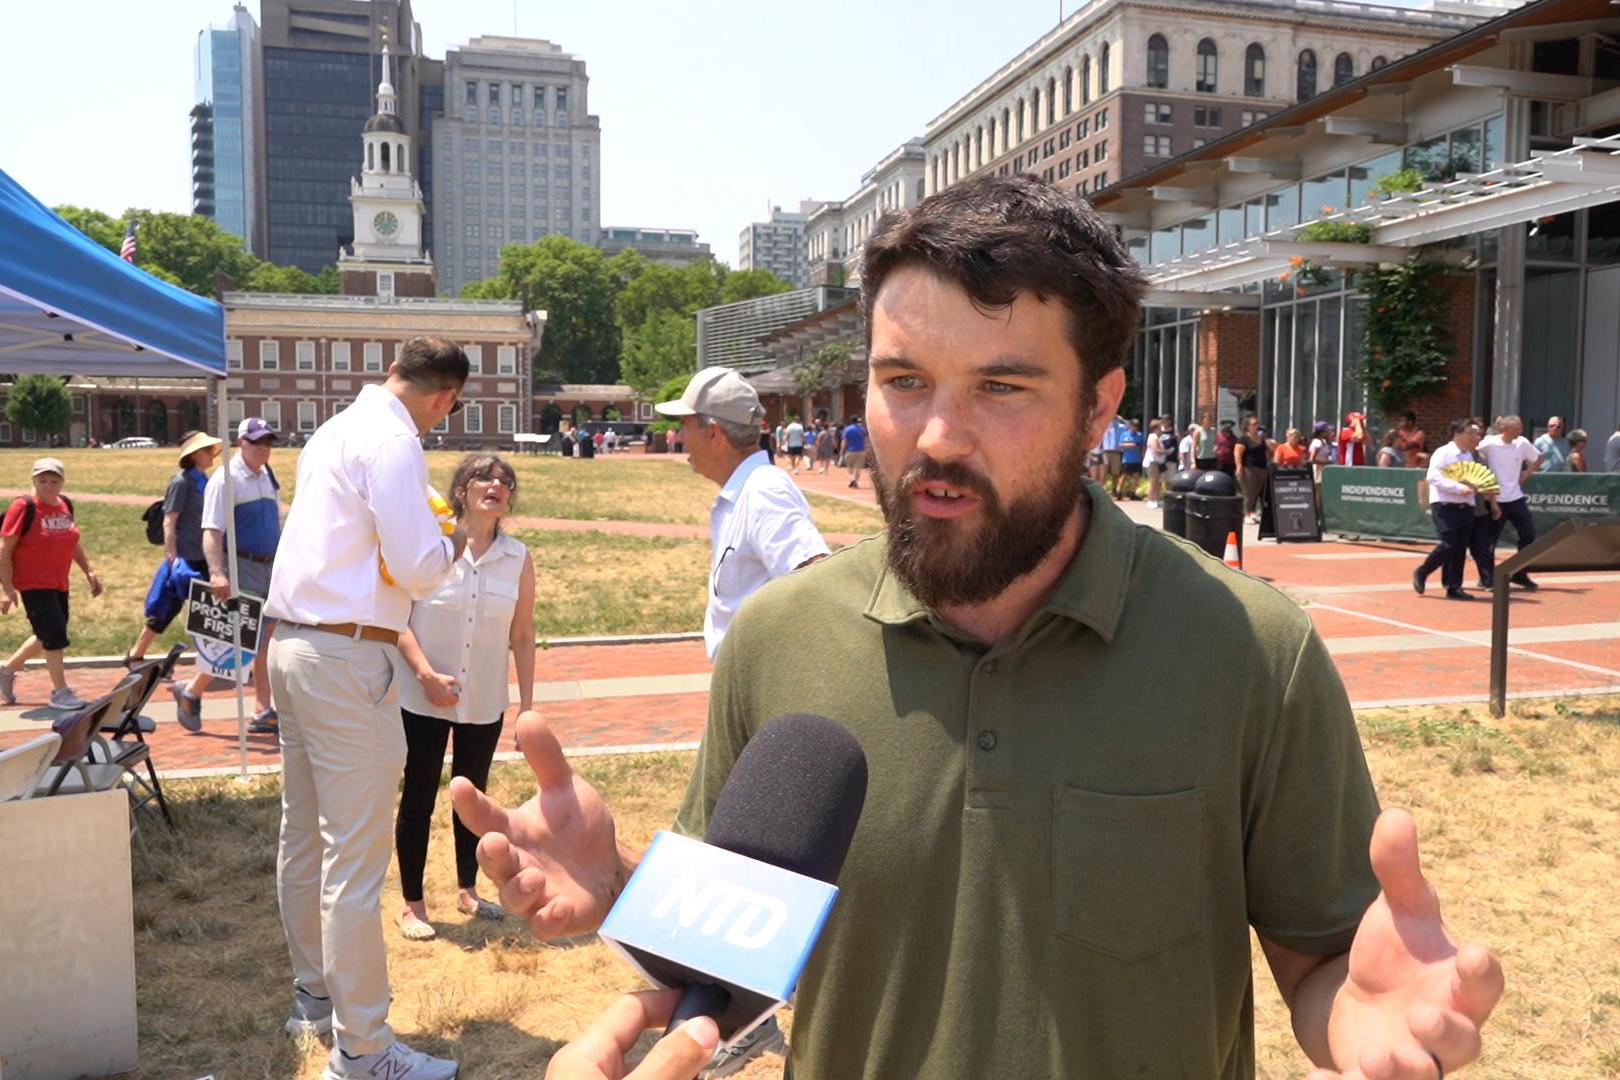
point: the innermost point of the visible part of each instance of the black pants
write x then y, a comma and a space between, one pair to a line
1517, 514
1455, 524
425, 739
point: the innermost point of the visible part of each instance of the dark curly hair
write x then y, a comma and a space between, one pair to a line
479, 467
998, 236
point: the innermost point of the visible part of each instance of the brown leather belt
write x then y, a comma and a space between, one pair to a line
353, 631
251, 557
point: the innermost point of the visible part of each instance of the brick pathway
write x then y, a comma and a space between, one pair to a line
1390, 645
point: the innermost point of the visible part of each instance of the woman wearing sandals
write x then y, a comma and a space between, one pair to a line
456, 647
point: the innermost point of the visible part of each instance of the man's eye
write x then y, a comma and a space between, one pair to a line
905, 382
1001, 387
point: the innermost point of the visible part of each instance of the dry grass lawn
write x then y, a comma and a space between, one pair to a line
1520, 823
619, 487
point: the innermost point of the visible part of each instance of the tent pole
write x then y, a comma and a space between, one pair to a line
225, 435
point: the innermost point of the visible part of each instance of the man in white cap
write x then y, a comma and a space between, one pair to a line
760, 525
256, 522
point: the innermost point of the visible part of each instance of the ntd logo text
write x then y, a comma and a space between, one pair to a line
750, 919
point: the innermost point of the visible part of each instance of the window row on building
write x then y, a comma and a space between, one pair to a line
1474, 148
340, 356
1207, 69
305, 415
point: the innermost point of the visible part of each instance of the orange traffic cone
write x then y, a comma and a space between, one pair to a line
1233, 557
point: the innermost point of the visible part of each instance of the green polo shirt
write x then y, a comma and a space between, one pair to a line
1066, 837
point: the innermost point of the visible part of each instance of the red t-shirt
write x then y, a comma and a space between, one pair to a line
1351, 452
44, 553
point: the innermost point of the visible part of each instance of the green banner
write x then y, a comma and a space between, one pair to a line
1393, 503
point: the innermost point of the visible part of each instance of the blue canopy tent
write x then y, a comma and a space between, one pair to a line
68, 306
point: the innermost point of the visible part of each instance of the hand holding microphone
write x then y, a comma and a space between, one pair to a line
599, 1053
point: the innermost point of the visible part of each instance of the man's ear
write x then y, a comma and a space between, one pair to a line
1110, 391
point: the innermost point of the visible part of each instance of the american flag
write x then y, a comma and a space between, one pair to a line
127, 252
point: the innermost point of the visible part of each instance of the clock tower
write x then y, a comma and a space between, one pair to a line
386, 259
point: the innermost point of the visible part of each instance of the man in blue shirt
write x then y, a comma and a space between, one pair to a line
1131, 442
855, 451
1554, 447
1113, 455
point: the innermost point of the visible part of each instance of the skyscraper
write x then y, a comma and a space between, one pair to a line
322, 62
227, 130
778, 244
516, 155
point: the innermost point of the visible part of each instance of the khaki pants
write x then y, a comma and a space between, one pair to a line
342, 752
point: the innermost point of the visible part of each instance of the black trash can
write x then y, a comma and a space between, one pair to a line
1211, 518
1175, 502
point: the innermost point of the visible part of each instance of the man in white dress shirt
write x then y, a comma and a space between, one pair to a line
359, 545
760, 525
1512, 457
1451, 504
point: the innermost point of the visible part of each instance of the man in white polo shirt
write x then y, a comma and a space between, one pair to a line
1451, 505
360, 543
760, 525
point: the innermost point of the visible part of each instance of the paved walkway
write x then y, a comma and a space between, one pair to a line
1391, 647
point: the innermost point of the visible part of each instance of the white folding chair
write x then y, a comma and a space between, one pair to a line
22, 766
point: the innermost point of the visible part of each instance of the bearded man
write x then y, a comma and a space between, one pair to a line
1048, 879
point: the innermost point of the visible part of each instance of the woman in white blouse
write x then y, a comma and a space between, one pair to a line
456, 646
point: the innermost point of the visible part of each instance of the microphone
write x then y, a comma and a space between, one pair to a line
733, 919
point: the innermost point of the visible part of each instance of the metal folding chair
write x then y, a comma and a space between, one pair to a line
121, 741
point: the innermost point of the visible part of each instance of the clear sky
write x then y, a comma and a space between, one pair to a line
711, 109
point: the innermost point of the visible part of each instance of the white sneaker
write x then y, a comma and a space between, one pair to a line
398, 1062
310, 1015
65, 698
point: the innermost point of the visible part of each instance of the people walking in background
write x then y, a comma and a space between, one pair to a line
1451, 505
824, 446
1611, 452
1131, 445
1161, 442
39, 540
1391, 452
183, 553
1553, 447
1226, 442
794, 434
1577, 451
1290, 453
255, 519
459, 694
855, 450
368, 543
1512, 457
1353, 440
1412, 441
1113, 454
759, 526
1206, 444
1250, 455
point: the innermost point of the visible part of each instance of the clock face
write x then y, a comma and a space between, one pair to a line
385, 223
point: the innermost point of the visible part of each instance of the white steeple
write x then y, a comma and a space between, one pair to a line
385, 89
386, 198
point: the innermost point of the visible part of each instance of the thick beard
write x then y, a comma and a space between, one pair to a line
955, 563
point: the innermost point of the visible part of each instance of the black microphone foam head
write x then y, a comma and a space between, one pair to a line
793, 797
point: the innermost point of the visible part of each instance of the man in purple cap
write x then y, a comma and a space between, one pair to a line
256, 522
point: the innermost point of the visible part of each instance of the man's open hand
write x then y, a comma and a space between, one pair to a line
555, 858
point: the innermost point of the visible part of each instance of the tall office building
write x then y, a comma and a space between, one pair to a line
516, 155
322, 60
227, 129
778, 244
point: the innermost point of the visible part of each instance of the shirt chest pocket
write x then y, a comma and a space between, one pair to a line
500, 597
1127, 870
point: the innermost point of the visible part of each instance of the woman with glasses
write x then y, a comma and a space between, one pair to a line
456, 646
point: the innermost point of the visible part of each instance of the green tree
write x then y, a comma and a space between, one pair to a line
749, 284
268, 277
193, 249
40, 403
576, 287
822, 369
104, 229
662, 349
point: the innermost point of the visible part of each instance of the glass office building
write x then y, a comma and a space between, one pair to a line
224, 124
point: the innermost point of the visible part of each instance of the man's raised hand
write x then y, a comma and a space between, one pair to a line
556, 857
